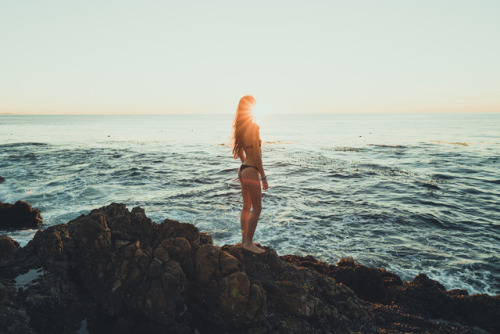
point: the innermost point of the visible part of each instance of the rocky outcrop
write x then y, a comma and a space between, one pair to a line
408, 306
124, 273
116, 271
18, 216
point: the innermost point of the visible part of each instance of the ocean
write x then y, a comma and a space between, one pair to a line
410, 193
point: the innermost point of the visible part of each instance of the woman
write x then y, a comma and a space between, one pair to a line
247, 147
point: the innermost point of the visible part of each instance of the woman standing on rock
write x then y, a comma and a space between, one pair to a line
247, 147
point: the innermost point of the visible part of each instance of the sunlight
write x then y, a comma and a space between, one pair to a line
260, 110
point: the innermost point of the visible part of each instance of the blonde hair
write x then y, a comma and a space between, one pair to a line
242, 121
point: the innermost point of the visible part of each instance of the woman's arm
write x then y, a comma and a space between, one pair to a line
258, 156
242, 156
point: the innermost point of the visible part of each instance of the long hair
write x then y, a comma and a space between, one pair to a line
242, 121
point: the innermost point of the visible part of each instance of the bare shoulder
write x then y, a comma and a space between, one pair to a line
252, 129
255, 127
255, 130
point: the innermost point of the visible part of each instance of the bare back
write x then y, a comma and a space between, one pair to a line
251, 142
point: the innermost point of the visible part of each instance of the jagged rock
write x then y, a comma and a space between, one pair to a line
301, 299
13, 317
206, 238
408, 306
53, 304
370, 284
123, 273
19, 215
429, 299
7, 246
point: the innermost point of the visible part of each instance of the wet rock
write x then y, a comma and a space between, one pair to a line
2, 180
18, 216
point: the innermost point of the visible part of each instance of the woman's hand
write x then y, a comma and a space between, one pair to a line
265, 186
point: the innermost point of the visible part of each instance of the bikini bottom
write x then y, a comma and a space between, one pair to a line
242, 167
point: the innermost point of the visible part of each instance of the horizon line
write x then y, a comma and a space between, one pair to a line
222, 113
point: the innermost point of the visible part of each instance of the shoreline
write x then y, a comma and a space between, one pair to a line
26, 234
112, 263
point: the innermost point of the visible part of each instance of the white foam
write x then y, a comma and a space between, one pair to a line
21, 236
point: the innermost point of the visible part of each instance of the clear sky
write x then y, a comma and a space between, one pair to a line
145, 56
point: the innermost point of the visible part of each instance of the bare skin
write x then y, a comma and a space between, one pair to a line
251, 190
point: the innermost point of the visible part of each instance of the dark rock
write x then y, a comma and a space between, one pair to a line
423, 296
429, 299
300, 299
7, 246
409, 306
13, 317
370, 284
2, 180
394, 319
18, 216
206, 238
51, 305
124, 273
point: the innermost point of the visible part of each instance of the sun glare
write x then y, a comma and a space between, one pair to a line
260, 111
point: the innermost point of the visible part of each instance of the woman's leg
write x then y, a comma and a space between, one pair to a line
253, 190
245, 212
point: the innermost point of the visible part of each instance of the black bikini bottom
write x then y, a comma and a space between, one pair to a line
242, 167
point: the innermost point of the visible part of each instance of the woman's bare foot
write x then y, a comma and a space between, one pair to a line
252, 248
255, 243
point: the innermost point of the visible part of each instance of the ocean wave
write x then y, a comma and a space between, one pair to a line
450, 143
22, 144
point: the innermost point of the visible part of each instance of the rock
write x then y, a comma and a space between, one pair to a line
7, 246
410, 306
2, 180
13, 317
51, 305
123, 273
370, 284
429, 299
299, 298
18, 216
206, 238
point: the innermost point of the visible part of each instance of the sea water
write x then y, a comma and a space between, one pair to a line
410, 193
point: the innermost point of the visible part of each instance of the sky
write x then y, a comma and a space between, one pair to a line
294, 56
